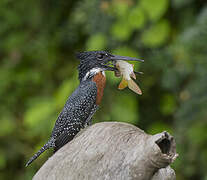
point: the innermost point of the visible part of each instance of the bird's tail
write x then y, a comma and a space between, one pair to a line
45, 147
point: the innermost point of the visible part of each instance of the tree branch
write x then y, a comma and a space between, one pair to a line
112, 151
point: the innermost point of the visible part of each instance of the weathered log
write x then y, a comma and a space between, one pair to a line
112, 151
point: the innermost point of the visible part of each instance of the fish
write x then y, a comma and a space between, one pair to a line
126, 70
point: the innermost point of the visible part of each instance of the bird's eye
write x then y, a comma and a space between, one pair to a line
100, 56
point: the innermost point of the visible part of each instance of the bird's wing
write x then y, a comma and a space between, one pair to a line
74, 116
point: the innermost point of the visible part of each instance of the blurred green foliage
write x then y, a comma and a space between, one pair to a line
38, 73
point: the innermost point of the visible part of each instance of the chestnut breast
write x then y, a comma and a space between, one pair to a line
100, 81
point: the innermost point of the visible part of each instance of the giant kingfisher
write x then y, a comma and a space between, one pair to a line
85, 100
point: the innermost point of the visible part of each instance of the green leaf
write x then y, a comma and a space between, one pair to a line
66, 88
197, 133
121, 30
2, 160
168, 104
7, 125
158, 127
15, 41
155, 9
157, 35
96, 42
136, 18
112, 79
125, 107
126, 51
40, 115
119, 8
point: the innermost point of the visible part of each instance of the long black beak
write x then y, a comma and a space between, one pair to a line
114, 58
109, 68
124, 58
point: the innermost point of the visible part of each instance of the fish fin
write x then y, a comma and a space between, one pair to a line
123, 84
134, 87
133, 75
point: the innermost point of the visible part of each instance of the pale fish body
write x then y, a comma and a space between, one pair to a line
126, 70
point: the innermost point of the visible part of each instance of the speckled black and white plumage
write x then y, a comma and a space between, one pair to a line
83, 102
76, 114
80, 106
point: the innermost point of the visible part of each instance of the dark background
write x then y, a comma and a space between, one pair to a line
38, 40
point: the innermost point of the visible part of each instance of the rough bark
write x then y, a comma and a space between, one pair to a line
112, 151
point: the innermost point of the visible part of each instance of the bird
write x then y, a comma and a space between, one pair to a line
84, 101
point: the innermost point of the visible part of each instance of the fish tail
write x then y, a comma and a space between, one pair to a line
134, 87
133, 75
123, 84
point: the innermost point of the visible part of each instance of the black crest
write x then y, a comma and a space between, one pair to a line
90, 60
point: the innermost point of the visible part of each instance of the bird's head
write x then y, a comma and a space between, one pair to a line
93, 62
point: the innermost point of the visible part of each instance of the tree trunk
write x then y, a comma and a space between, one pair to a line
112, 151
